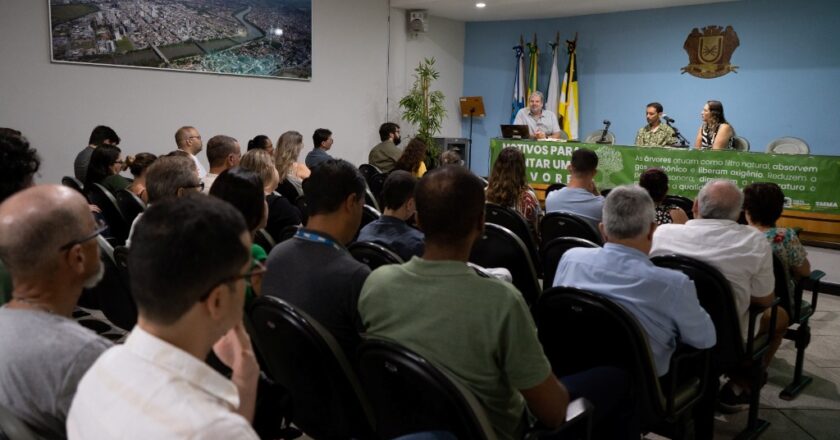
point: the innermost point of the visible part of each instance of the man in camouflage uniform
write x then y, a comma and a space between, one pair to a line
655, 133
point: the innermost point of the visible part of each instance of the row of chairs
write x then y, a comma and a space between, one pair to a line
118, 209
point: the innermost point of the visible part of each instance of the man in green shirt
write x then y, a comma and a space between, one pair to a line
386, 154
655, 134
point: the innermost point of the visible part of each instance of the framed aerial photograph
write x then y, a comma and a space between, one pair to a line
265, 38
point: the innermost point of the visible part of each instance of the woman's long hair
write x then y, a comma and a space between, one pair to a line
102, 159
412, 156
717, 117
507, 180
287, 151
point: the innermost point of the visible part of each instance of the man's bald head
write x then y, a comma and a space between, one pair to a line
36, 222
721, 200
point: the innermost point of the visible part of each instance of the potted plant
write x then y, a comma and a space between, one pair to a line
424, 108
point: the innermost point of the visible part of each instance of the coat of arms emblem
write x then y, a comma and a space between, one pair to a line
709, 51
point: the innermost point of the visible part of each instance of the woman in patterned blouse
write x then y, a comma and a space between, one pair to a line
715, 133
655, 181
507, 186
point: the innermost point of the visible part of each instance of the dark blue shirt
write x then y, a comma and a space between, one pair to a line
315, 157
395, 235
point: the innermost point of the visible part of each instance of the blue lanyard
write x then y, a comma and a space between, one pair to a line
316, 238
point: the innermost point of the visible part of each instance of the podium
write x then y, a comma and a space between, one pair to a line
471, 106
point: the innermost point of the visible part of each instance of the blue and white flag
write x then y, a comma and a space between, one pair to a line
519, 82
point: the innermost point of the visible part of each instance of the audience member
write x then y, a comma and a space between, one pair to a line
47, 243
243, 189
386, 154
105, 166
223, 152
189, 141
580, 196
261, 142
156, 384
451, 157
741, 254
655, 181
313, 271
18, 164
391, 230
138, 165
286, 160
478, 329
763, 205
322, 141
507, 186
99, 136
412, 158
281, 212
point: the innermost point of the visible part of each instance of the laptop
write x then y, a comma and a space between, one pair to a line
515, 131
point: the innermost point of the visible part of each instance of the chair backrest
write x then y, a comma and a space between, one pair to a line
369, 171
553, 251
567, 224
595, 137
554, 187
499, 247
107, 203
788, 145
130, 205
376, 183
370, 199
303, 207
513, 220
782, 287
740, 143
264, 239
580, 330
13, 428
114, 291
715, 295
369, 215
287, 189
684, 203
72, 182
373, 254
409, 395
304, 358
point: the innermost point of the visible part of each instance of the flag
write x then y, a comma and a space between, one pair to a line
552, 97
518, 82
569, 95
534, 52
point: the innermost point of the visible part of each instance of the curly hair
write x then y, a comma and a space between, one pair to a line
287, 151
507, 180
655, 181
18, 163
764, 202
412, 156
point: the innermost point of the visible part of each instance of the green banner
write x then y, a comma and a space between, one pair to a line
810, 183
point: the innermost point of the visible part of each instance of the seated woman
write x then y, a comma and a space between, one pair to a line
138, 165
286, 160
655, 181
104, 168
507, 187
412, 158
715, 133
281, 212
244, 190
450, 157
763, 205
261, 142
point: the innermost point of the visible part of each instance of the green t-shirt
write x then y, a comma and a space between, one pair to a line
258, 254
478, 329
115, 183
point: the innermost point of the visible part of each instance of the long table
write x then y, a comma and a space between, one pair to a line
811, 183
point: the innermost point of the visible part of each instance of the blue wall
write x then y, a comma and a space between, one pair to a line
788, 83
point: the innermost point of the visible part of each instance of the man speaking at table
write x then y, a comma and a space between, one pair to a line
654, 134
541, 123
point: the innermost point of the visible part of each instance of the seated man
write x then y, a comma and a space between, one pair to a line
391, 230
541, 123
313, 271
580, 196
322, 141
740, 253
655, 133
194, 254
386, 154
223, 152
664, 301
47, 242
478, 328
100, 135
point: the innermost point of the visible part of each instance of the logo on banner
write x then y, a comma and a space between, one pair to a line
709, 52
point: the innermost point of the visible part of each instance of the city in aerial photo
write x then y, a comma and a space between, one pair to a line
242, 37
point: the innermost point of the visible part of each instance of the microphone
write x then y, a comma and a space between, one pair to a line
603, 138
606, 122
667, 118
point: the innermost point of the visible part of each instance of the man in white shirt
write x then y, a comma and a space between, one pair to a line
541, 123
194, 254
741, 253
188, 140
223, 152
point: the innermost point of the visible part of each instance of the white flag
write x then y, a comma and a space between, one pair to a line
552, 97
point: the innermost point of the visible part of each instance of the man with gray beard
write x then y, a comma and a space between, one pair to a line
48, 244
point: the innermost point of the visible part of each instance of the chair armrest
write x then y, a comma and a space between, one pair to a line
579, 414
685, 354
812, 283
755, 311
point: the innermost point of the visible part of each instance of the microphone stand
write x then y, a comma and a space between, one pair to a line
603, 139
683, 142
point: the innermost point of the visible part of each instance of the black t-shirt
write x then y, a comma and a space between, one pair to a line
281, 213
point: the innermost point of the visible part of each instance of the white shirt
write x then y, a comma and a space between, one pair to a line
150, 389
208, 180
741, 253
201, 170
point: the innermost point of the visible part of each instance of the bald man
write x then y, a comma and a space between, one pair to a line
47, 242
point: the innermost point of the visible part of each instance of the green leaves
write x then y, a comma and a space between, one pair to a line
423, 107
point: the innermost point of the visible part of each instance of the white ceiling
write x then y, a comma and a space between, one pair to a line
465, 10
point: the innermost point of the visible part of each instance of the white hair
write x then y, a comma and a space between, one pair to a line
720, 199
537, 93
628, 212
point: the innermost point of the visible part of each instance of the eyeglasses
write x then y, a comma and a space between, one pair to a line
100, 228
257, 268
199, 185
195, 137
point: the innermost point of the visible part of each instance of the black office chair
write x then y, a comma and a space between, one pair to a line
566, 224
553, 251
72, 182
114, 291
265, 240
684, 203
107, 203
369, 171
373, 255
376, 183
513, 220
130, 205
287, 189
300, 202
730, 352
800, 312
13, 428
499, 247
605, 192
600, 332
299, 354
370, 199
